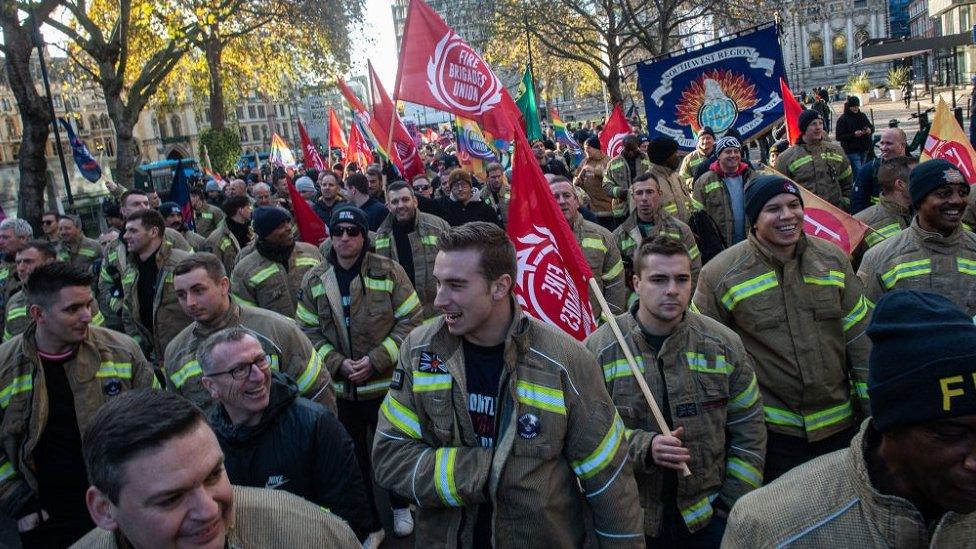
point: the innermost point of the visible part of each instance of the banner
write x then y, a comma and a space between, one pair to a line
439, 69
383, 111
310, 155
947, 141
525, 99
86, 163
730, 84
369, 128
614, 132
474, 148
280, 155
311, 228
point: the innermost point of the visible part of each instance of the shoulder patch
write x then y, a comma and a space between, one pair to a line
396, 381
687, 409
431, 363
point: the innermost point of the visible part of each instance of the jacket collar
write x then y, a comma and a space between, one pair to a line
894, 207
715, 167
232, 317
936, 241
516, 342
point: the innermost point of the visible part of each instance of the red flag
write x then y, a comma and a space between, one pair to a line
440, 70
311, 228
792, 109
614, 132
947, 141
310, 155
383, 110
358, 150
336, 139
370, 128
552, 281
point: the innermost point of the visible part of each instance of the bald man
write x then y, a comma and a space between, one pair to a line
893, 143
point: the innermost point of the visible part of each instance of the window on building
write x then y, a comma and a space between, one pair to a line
264, 131
81, 123
284, 132
163, 130
58, 102
243, 133
206, 115
250, 112
105, 122
240, 112
964, 18
861, 36
109, 147
177, 125
261, 112
816, 52
255, 133
839, 49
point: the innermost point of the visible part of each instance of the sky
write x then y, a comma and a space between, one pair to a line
377, 43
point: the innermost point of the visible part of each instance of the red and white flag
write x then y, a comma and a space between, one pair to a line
374, 133
383, 111
336, 139
358, 150
310, 155
947, 141
614, 132
440, 70
552, 280
823, 220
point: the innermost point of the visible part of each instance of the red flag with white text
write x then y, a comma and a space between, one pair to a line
311, 228
614, 132
792, 109
336, 139
310, 155
383, 110
440, 70
552, 280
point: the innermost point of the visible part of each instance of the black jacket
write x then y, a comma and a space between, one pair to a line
847, 124
300, 447
457, 214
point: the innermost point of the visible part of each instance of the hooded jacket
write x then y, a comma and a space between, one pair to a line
711, 196
297, 446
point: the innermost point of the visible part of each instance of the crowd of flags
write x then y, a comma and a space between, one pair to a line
439, 70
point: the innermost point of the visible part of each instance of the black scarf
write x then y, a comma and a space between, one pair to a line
274, 252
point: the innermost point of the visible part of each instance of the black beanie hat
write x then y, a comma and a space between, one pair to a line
929, 176
167, 209
593, 142
923, 358
661, 148
268, 218
349, 214
762, 189
706, 130
807, 117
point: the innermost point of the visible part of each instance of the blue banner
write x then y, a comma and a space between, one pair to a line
730, 84
87, 165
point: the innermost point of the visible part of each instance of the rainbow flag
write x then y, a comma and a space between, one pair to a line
280, 155
475, 147
563, 136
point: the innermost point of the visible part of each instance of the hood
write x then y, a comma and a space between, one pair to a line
714, 167
284, 391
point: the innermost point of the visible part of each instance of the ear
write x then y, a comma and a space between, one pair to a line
635, 281
501, 287
36, 312
224, 285
102, 510
211, 388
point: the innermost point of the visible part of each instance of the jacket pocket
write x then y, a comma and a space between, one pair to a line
441, 416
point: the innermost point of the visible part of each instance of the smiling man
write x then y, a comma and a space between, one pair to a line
495, 421
908, 478
935, 253
800, 311
187, 501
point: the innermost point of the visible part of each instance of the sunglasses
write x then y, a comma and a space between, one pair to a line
48, 222
422, 188
347, 231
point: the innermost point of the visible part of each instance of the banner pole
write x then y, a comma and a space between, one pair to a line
662, 425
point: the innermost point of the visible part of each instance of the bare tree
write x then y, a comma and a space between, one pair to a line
35, 115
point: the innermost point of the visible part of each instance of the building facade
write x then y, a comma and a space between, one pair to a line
954, 66
820, 39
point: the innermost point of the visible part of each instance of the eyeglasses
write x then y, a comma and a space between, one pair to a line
241, 371
349, 231
422, 188
48, 222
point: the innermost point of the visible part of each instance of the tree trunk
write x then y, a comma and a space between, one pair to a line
613, 85
125, 150
35, 119
213, 48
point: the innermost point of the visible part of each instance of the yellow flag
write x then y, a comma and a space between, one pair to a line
947, 141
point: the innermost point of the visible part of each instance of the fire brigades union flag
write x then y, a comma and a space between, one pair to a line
730, 84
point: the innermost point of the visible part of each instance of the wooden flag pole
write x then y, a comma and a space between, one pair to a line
662, 425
